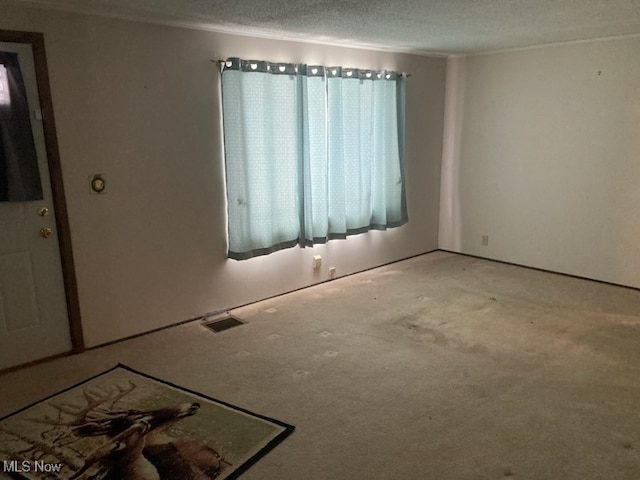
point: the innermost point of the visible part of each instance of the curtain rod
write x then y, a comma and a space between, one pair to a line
222, 62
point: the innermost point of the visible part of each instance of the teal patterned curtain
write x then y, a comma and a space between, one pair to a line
312, 153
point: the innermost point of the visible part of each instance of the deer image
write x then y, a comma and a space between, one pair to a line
137, 445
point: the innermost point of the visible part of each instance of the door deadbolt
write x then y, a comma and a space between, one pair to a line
43, 211
46, 232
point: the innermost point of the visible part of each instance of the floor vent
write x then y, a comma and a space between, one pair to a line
220, 324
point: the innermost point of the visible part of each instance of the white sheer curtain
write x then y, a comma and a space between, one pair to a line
311, 154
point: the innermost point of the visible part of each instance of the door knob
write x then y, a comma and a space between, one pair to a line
46, 232
43, 211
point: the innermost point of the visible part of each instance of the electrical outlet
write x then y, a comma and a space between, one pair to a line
332, 272
317, 262
485, 240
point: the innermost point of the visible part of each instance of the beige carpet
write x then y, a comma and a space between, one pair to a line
439, 367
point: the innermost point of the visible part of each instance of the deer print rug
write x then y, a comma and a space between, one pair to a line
125, 425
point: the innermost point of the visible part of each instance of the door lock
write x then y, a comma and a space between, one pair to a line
43, 211
46, 232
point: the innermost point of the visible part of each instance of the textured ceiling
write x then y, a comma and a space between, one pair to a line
422, 26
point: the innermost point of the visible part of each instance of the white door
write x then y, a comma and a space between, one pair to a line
33, 313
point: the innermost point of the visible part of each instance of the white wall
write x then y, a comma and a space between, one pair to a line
139, 103
542, 153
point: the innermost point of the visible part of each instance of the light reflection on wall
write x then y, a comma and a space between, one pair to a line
5, 99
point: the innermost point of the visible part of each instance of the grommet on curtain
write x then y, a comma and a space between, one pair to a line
294, 69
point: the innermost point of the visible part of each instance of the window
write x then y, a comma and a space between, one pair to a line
311, 154
5, 99
19, 173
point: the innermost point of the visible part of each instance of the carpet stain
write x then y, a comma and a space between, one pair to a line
427, 333
619, 342
474, 349
416, 326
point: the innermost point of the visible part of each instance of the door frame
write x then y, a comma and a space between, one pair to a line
36, 40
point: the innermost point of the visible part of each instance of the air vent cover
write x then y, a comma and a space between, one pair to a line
220, 324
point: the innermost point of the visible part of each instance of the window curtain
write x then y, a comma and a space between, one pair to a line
311, 154
19, 175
